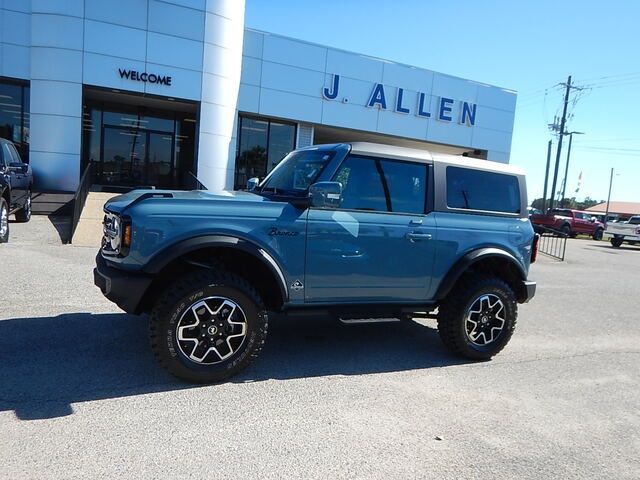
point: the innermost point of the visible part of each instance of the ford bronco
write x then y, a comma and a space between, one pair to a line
358, 231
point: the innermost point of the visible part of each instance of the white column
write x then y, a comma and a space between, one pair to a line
56, 94
224, 29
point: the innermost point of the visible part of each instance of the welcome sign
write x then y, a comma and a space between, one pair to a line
382, 97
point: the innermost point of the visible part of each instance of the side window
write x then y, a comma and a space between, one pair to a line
383, 185
471, 189
362, 187
6, 155
14, 153
407, 185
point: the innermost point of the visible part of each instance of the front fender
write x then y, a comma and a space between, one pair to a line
177, 250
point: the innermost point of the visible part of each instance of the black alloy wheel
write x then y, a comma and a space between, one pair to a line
208, 326
478, 317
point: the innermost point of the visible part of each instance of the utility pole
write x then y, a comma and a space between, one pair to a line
606, 213
563, 121
566, 169
546, 178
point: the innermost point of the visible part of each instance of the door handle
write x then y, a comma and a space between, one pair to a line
354, 254
416, 236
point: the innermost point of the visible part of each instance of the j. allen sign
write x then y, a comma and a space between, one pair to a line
445, 106
144, 77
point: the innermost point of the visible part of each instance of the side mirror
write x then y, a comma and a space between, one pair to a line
253, 183
326, 194
593, 219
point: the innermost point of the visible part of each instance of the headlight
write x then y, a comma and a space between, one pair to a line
116, 238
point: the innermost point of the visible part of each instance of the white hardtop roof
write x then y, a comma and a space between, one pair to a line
426, 156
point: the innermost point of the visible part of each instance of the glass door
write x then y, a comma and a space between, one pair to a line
159, 160
122, 157
136, 158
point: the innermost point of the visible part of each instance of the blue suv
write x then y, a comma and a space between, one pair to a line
359, 231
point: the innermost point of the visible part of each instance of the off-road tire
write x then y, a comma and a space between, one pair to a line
4, 213
453, 310
24, 214
616, 242
180, 296
597, 235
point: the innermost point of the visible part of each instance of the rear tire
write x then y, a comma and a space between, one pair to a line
24, 215
208, 326
4, 221
616, 242
478, 317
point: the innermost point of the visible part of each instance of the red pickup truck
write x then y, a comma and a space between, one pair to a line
569, 222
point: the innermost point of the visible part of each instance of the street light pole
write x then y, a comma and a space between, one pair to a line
606, 213
566, 169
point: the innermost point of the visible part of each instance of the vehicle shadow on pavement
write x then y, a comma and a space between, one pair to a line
621, 247
49, 363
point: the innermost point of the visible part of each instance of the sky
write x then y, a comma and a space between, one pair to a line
528, 47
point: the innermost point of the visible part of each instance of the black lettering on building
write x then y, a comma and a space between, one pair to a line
145, 77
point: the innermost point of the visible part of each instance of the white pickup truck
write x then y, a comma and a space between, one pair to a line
628, 231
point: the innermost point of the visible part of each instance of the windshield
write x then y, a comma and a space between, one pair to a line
297, 172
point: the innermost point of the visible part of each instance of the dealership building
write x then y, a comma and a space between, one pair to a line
153, 92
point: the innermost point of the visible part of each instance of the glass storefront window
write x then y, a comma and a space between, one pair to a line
282, 137
262, 144
14, 115
133, 146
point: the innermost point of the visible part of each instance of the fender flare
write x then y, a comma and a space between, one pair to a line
179, 249
467, 260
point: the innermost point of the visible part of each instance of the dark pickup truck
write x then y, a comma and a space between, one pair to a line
16, 181
570, 222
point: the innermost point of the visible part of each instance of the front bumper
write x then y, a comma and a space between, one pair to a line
123, 288
529, 290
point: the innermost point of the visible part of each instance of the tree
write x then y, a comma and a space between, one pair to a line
588, 202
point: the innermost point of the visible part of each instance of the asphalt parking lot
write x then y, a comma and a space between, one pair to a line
81, 395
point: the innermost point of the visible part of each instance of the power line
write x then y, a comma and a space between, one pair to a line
611, 76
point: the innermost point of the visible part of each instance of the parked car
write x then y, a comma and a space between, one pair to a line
620, 232
570, 222
16, 180
360, 231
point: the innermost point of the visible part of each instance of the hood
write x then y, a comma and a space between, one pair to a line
121, 203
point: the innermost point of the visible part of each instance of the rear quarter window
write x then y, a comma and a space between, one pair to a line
470, 189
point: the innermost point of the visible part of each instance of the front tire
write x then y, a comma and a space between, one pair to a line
566, 229
597, 235
4, 221
478, 317
208, 326
24, 214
